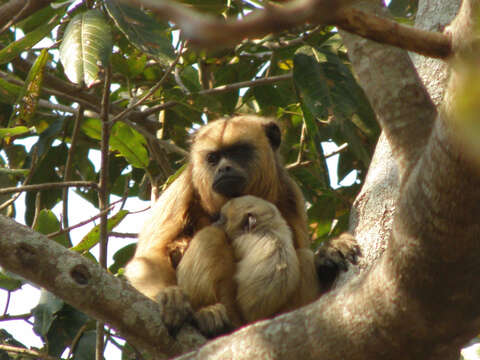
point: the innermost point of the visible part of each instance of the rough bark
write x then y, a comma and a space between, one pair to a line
91, 289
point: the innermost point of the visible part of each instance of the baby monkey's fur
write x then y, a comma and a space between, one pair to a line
252, 267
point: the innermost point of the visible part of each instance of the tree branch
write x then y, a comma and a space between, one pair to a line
386, 31
401, 102
27, 352
47, 186
242, 84
18, 10
205, 31
91, 289
104, 195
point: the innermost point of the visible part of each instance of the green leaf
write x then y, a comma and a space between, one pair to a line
122, 257
309, 80
403, 8
8, 92
46, 171
64, 329
28, 98
330, 93
128, 142
17, 130
9, 283
41, 16
48, 223
93, 237
143, 31
22, 172
86, 47
85, 349
14, 49
44, 312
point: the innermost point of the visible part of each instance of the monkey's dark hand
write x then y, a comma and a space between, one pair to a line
176, 308
213, 320
335, 256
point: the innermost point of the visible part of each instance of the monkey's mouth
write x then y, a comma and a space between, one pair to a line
229, 186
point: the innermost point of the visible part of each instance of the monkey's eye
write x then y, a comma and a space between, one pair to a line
249, 222
213, 158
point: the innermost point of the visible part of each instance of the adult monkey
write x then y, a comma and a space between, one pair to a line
228, 158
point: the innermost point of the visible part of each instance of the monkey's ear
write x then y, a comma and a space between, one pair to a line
249, 222
273, 134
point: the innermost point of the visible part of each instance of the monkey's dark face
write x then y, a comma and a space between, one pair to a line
230, 168
235, 157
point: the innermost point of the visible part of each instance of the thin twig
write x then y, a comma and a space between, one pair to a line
281, 44
149, 93
38, 208
7, 304
301, 142
103, 196
80, 224
221, 89
17, 16
57, 93
25, 182
76, 339
48, 186
340, 149
159, 107
7, 317
124, 235
242, 84
27, 352
297, 165
68, 166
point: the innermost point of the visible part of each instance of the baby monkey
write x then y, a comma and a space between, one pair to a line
243, 268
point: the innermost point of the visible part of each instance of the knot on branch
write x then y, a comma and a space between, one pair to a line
80, 274
26, 254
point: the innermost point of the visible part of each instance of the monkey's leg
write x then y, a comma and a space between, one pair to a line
334, 256
205, 273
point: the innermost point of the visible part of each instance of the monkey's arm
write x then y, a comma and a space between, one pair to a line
205, 274
151, 271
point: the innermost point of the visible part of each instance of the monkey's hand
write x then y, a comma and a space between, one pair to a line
176, 307
334, 256
213, 320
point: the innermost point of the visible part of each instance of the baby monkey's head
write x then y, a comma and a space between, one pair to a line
249, 214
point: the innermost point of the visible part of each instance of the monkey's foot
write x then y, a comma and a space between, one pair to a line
176, 308
335, 256
213, 320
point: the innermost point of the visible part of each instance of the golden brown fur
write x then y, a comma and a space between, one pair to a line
245, 147
267, 268
189, 202
247, 262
